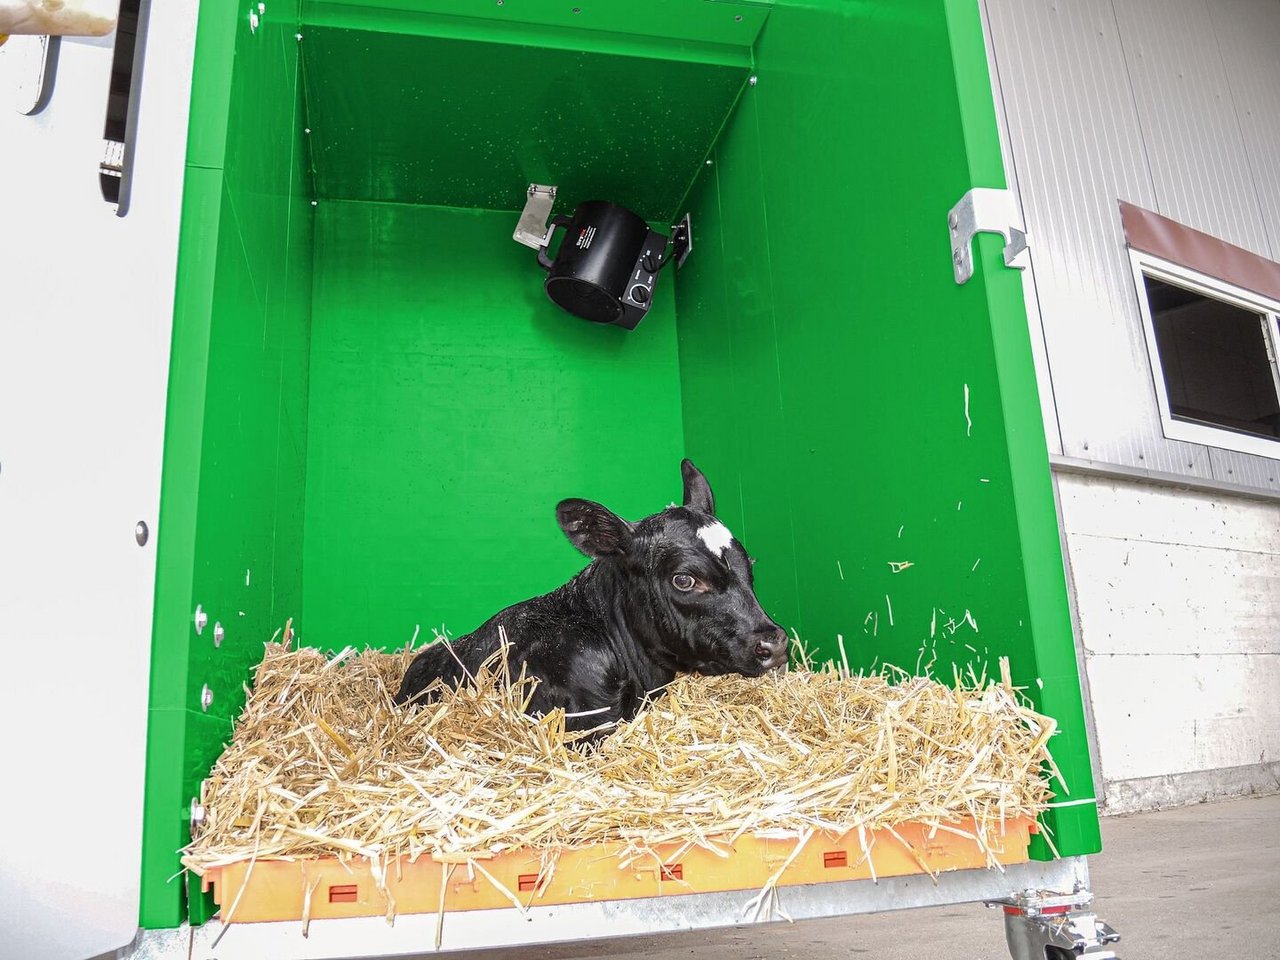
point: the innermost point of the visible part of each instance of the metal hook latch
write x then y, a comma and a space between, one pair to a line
984, 210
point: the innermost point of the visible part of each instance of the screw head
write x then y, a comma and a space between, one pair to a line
219, 634
201, 620
141, 533
206, 698
753, 81
198, 816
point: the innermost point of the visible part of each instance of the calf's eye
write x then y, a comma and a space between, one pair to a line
683, 582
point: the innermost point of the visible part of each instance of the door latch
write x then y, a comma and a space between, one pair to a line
984, 210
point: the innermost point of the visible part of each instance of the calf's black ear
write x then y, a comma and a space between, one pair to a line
593, 529
697, 492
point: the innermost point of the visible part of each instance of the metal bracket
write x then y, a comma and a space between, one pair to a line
984, 210
28, 64
682, 240
532, 228
1040, 924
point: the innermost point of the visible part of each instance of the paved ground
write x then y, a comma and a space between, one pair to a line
1201, 881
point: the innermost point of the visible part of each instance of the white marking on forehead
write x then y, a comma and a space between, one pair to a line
716, 536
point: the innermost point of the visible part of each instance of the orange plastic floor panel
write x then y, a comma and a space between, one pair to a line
276, 888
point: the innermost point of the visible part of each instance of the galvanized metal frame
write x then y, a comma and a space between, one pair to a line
1147, 265
416, 935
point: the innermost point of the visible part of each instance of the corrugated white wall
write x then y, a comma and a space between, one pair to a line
1173, 105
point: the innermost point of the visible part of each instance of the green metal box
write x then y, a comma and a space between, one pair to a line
373, 407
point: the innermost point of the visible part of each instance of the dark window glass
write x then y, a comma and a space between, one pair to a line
1214, 360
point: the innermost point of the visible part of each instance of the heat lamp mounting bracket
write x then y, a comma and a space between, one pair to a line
985, 210
682, 240
532, 229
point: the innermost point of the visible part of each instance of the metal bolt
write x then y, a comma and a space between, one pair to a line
219, 634
298, 37
737, 18
953, 221
262, 9
753, 81
314, 203
201, 619
206, 698
253, 21
198, 817
141, 533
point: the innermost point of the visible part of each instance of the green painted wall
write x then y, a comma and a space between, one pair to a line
230, 530
452, 406
374, 408
868, 410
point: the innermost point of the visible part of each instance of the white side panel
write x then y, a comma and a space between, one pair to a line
1173, 105
86, 309
1248, 33
1193, 137
1178, 596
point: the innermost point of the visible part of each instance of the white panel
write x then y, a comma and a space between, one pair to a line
1160, 715
1114, 508
1193, 137
1248, 34
1163, 104
1140, 597
1178, 598
86, 309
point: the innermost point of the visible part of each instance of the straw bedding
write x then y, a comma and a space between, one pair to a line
323, 763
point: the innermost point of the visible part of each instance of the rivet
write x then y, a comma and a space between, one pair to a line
206, 698
953, 221
737, 18
262, 9
219, 634
201, 619
141, 533
753, 81
314, 203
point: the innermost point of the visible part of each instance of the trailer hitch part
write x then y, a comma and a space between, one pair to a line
1042, 925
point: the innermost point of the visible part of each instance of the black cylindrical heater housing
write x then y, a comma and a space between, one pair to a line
606, 266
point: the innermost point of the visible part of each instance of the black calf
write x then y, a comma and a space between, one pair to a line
672, 592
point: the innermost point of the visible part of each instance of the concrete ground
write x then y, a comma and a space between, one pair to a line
1195, 881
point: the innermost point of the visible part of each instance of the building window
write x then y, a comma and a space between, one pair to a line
1213, 350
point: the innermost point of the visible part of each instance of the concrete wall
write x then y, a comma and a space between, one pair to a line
1177, 594
1173, 105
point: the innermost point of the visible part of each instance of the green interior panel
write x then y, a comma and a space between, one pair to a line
373, 407
471, 123
866, 404
452, 407
230, 530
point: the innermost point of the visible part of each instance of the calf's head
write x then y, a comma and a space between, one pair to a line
682, 582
